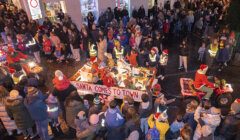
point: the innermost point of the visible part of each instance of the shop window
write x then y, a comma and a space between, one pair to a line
89, 6
52, 8
123, 3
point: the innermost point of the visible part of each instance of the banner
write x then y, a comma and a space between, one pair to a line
86, 88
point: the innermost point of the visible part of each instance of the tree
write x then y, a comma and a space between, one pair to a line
233, 15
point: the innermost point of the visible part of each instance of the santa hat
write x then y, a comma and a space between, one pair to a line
203, 68
154, 49
235, 106
59, 75
81, 115
94, 119
165, 51
157, 88
156, 115
14, 94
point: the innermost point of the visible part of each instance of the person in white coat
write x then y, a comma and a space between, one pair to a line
208, 119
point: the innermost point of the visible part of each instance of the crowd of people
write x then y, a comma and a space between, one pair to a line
142, 40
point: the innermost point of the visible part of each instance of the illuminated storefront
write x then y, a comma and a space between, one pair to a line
89, 6
52, 8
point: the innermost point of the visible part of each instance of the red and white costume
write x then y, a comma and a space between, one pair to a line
201, 78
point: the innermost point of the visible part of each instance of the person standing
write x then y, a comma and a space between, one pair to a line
8, 123
37, 108
102, 49
75, 45
16, 109
183, 56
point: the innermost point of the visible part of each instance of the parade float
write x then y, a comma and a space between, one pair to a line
117, 78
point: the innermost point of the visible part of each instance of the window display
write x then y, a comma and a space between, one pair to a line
35, 10
123, 3
52, 8
89, 6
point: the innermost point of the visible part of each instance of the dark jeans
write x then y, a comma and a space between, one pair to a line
42, 129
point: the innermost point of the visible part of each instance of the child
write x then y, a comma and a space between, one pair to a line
132, 58
163, 63
53, 110
176, 126
201, 52
59, 52
47, 48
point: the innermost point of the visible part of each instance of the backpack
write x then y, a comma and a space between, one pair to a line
153, 134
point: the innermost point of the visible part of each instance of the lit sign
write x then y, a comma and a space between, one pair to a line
35, 9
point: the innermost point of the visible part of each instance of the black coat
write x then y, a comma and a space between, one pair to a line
17, 110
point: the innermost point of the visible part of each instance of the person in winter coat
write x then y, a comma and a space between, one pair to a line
183, 56
35, 103
145, 110
81, 122
114, 122
53, 110
8, 123
102, 49
96, 108
90, 132
176, 126
55, 40
222, 55
201, 82
185, 133
142, 58
73, 105
34, 48
128, 102
153, 58
188, 118
208, 119
47, 47
163, 63
118, 51
62, 89
132, 125
160, 121
231, 125
16, 109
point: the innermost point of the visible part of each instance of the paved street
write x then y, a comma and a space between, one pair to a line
170, 84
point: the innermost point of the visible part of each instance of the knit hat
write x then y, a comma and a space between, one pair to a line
206, 130
235, 106
81, 115
165, 51
14, 94
59, 75
94, 119
32, 82
163, 116
96, 100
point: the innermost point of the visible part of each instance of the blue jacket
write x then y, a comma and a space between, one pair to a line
114, 118
36, 106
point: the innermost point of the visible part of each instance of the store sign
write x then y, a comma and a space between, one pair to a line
86, 88
35, 9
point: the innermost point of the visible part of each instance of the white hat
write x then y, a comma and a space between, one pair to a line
59, 74
94, 119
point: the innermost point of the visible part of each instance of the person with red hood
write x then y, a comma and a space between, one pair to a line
201, 82
62, 89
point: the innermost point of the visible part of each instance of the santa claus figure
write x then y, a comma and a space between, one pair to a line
14, 56
153, 58
201, 81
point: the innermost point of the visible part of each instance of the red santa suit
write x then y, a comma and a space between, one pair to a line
108, 81
201, 78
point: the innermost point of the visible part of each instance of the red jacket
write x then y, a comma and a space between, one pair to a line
47, 46
61, 85
201, 80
